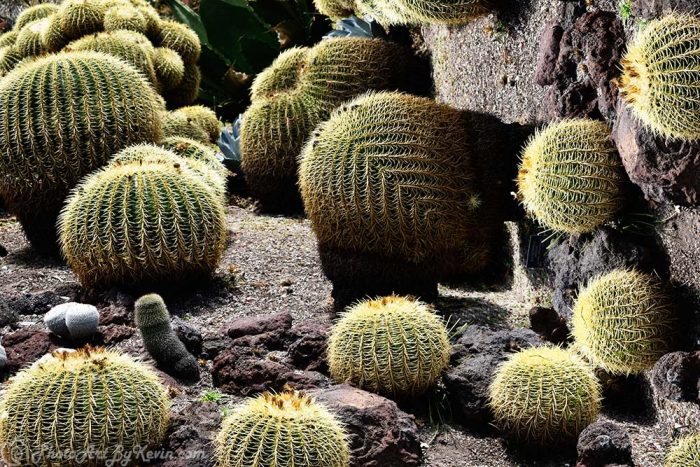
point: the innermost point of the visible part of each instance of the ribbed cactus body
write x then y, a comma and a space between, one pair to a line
571, 178
451, 12
393, 345
181, 39
169, 67
195, 151
9, 57
81, 17
139, 222
285, 430
29, 43
125, 18
544, 395
52, 37
283, 75
188, 89
33, 13
660, 74
90, 402
178, 124
153, 320
623, 322
204, 118
45, 150
9, 38
684, 452
375, 178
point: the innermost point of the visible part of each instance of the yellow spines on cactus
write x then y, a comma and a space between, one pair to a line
9, 58
544, 395
181, 39
571, 178
29, 43
188, 89
684, 452
336, 9
169, 67
283, 75
72, 406
194, 150
395, 346
9, 38
285, 430
178, 124
205, 118
52, 37
450, 12
33, 13
125, 18
81, 17
146, 222
375, 178
623, 322
661, 70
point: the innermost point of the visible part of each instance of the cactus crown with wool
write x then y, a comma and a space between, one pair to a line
571, 178
623, 322
92, 401
393, 345
375, 178
544, 395
660, 74
685, 452
147, 221
285, 430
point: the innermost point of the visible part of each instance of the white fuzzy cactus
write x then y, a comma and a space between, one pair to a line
73, 320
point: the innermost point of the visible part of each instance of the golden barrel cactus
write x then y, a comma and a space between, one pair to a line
684, 452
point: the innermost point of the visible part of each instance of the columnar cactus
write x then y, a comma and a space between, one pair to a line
90, 407
571, 178
623, 322
393, 345
660, 74
45, 150
544, 395
136, 222
685, 452
153, 321
285, 430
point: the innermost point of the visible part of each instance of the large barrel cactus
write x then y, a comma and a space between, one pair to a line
393, 345
623, 322
545, 395
143, 222
661, 75
84, 408
92, 105
285, 430
298, 92
571, 178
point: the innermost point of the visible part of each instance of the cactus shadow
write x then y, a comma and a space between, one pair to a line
460, 312
629, 399
511, 12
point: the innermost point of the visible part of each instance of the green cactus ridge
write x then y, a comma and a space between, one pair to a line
623, 322
125, 18
123, 407
153, 320
143, 222
181, 39
376, 179
544, 395
286, 430
685, 452
169, 67
661, 70
52, 37
45, 150
204, 118
9, 58
571, 178
81, 17
33, 13
450, 12
392, 345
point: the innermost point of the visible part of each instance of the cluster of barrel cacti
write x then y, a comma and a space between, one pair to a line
408, 12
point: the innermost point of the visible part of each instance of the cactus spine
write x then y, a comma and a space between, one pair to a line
623, 322
685, 452
544, 395
122, 407
393, 345
284, 430
153, 320
571, 178
660, 74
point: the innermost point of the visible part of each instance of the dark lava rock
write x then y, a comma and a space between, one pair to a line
189, 335
582, 72
308, 351
676, 376
381, 435
603, 444
114, 333
650, 9
36, 303
266, 330
26, 346
8, 315
3, 251
549, 325
213, 345
242, 371
191, 433
667, 171
581, 258
629, 395
475, 357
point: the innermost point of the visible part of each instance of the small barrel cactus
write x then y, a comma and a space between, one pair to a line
285, 430
623, 322
47, 149
282, 76
685, 452
660, 74
177, 124
181, 39
153, 320
73, 320
393, 345
29, 43
169, 67
336, 9
33, 13
96, 381
450, 12
81, 17
125, 18
188, 89
544, 395
205, 118
148, 221
571, 178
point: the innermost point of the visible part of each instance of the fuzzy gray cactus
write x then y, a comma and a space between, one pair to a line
73, 320
3, 357
153, 320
